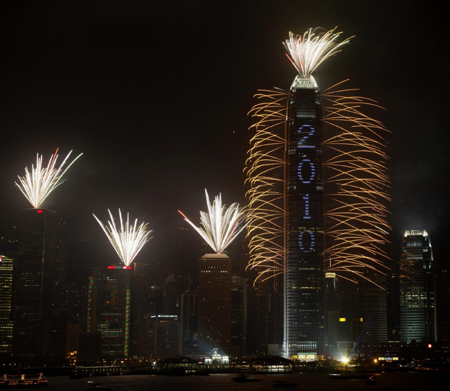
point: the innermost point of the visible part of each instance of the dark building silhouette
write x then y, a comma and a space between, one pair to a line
238, 315
189, 323
214, 308
34, 280
164, 336
373, 310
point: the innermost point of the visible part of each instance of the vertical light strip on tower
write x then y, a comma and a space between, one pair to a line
127, 321
89, 314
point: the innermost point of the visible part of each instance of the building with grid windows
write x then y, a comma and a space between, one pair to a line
417, 288
214, 306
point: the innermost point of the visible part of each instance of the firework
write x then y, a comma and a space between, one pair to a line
307, 52
128, 239
220, 225
358, 182
41, 181
265, 166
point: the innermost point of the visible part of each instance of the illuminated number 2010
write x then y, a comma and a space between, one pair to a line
300, 241
311, 175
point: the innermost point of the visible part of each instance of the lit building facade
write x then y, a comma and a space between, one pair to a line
6, 293
109, 308
417, 288
304, 275
214, 307
33, 283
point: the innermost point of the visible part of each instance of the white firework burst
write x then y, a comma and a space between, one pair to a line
307, 52
220, 225
128, 239
41, 181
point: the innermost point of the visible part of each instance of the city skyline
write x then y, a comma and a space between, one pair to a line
119, 95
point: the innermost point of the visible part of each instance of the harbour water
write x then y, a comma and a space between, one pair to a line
222, 382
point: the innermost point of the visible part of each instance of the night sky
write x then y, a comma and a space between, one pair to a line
156, 94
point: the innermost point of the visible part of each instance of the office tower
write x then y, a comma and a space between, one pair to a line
238, 315
417, 288
109, 305
6, 297
373, 310
139, 311
304, 299
164, 336
214, 308
308, 183
189, 323
33, 283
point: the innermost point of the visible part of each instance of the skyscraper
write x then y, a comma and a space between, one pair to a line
291, 209
33, 283
417, 288
6, 294
214, 307
109, 305
304, 300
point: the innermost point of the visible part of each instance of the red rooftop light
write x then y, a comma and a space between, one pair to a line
119, 267
40, 211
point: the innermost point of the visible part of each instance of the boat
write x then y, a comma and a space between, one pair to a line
23, 381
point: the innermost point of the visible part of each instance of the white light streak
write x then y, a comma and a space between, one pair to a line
41, 181
220, 225
127, 239
307, 52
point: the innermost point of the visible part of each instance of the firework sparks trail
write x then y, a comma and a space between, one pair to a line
264, 168
307, 52
220, 225
37, 185
358, 176
128, 239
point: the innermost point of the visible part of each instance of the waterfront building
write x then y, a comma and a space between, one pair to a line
238, 315
109, 306
417, 288
6, 297
189, 323
304, 297
34, 282
164, 336
214, 307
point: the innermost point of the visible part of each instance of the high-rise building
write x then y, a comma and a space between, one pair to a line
304, 298
33, 283
189, 323
164, 336
373, 310
214, 307
292, 212
417, 288
109, 306
6, 296
238, 315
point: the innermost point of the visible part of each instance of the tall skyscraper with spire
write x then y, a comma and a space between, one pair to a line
316, 202
417, 288
304, 299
